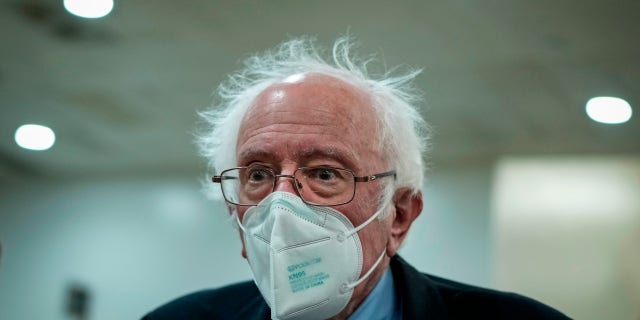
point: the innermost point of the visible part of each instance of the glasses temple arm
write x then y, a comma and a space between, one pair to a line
375, 176
218, 179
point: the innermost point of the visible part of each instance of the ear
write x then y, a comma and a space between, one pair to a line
408, 207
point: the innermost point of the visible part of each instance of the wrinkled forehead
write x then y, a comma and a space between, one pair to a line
313, 103
315, 92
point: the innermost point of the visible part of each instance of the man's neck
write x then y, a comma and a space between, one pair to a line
364, 289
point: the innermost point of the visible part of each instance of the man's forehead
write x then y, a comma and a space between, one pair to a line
314, 99
317, 90
316, 116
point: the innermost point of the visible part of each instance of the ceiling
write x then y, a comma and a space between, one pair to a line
500, 77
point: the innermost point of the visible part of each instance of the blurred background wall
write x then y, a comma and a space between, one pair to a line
566, 229
131, 243
525, 192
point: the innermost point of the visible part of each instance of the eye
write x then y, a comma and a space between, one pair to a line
324, 174
258, 174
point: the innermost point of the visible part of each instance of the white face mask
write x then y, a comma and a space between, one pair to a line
305, 259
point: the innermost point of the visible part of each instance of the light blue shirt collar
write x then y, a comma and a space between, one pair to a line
382, 303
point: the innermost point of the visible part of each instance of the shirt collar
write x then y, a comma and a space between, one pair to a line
381, 303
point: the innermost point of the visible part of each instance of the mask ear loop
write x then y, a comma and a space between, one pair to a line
235, 214
342, 236
346, 287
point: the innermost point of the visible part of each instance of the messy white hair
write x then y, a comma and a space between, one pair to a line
402, 132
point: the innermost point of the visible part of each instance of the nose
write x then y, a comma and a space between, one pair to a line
286, 183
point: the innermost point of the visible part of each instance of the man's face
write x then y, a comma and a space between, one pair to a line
319, 121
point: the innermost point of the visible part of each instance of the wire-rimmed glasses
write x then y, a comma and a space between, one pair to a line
318, 186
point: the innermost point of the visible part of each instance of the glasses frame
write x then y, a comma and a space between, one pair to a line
298, 185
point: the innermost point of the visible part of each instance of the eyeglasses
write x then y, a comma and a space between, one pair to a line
318, 186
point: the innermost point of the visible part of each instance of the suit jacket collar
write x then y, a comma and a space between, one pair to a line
420, 298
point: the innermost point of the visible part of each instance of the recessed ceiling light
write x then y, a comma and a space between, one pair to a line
35, 137
89, 8
608, 110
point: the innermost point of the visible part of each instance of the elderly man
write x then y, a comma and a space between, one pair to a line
321, 167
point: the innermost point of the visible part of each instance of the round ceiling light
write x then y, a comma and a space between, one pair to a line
35, 137
89, 8
609, 110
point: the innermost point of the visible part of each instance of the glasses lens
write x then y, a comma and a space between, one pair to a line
325, 185
247, 186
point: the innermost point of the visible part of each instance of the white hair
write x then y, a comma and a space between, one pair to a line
402, 133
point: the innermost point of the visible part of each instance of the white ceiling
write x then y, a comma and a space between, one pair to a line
500, 77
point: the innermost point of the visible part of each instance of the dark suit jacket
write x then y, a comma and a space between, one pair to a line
423, 297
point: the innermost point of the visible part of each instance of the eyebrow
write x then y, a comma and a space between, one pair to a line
347, 157
255, 154
344, 156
